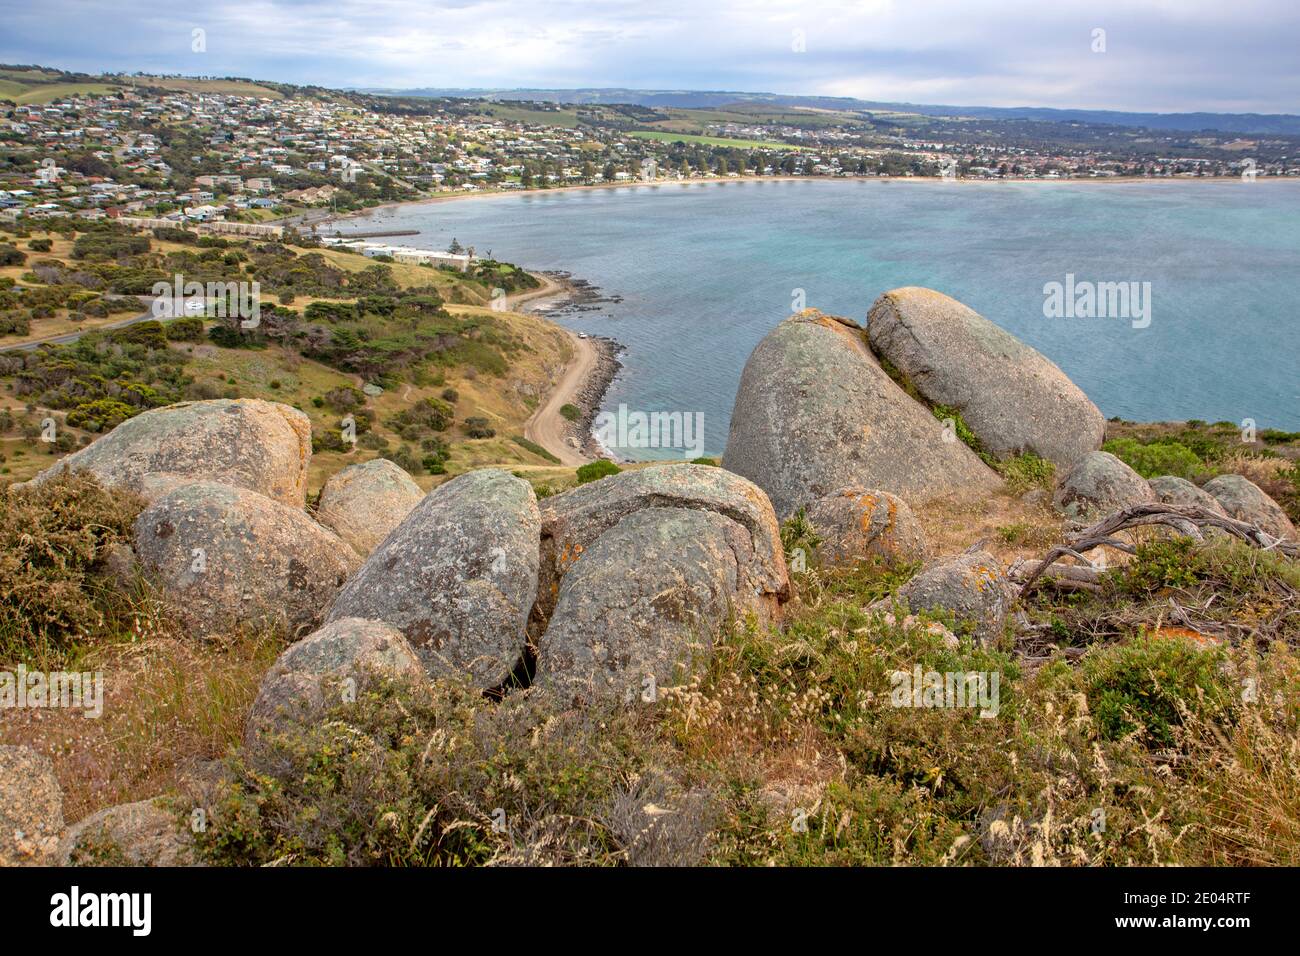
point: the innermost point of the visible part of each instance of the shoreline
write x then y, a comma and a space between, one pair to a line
595, 364
584, 382
369, 211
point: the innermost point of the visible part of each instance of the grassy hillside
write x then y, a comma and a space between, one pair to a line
336, 322
215, 86
24, 87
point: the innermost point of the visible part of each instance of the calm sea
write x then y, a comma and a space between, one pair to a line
705, 270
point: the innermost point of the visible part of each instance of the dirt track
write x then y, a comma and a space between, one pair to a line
547, 426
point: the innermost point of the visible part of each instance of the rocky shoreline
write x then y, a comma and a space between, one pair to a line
592, 394
580, 296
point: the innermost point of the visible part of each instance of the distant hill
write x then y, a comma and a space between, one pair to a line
1277, 123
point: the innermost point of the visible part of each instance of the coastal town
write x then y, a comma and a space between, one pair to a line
855, 439
241, 158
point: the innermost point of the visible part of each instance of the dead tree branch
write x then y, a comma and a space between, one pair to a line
1184, 519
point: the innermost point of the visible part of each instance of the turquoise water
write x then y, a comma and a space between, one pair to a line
705, 270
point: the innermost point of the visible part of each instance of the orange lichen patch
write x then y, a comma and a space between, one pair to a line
867, 506
984, 577
1185, 634
569, 554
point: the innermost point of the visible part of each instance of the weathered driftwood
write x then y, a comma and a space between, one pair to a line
1066, 577
1185, 519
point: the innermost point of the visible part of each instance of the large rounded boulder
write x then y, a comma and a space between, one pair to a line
856, 524
226, 557
1010, 395
1099, 484
363, 503
640, 607
816, 412
457, 577
573, 520
246, 443
1244, 500
328, 667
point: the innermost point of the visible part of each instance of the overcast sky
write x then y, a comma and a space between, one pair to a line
1160, 55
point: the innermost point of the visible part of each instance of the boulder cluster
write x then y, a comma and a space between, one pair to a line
855, 427
594, 593
616, 589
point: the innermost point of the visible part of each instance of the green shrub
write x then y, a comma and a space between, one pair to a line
436, 775
945, 414
404, 458
426, 415
476, 427
1027, 471
1157, 458
1143, 687
595, 470
570, 411
103, 414
188, 329
54, 541
798, 533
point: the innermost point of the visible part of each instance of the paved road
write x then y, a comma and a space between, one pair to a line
68, 337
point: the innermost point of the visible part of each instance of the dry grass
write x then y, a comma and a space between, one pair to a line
169, 703
954, 523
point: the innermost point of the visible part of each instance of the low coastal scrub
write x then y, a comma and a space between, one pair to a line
1199, 451
595, 470
793, 747
1157, 458
535, 448
1027, 471
56, 589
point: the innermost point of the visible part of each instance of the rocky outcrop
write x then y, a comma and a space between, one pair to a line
31, 808
816, 412
640, 606
246, 443
1011, 396
133, 834
1179, 491
363, 503
1244, 500
855, 524
573, 520
457, 577
972, 587
331, 666
225, 557
1099, 484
